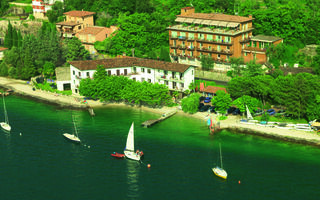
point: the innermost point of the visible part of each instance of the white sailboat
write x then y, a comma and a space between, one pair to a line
219, 171
129, 150
249, 116
5, 125
73, 137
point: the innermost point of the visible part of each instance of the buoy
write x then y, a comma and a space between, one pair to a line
149, 165
20, 134
89, 147
239, 181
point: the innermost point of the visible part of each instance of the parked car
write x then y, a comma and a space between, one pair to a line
202, 98
271, 111
204, 108
207, 100
200, 105
236, 111
231, 110
258, 112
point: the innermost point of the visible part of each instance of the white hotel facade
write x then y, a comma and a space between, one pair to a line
176, 76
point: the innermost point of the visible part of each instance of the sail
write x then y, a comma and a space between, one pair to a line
249, 116
130, 139
5, 111
75, 127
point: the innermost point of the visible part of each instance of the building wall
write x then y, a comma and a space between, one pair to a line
84, 21
1, 55
174, 80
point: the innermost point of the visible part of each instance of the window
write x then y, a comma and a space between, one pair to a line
245, 54
209, 37
219, 38
149, 71
183, 52
166, 82
200, 36
142, 79
109, 72
88, 74
79, 73
149, 80
228, 47
174, 43
134, 69
125, 71
228, 57
218, 56
174, 85
174, 34
118, 72
165, 72
73, 72
192, 72
134, 79
182, 34
142, 69
191, 53
254, 43
175, 51
191, 35
79, 27
218, 48
182, 85
106, 35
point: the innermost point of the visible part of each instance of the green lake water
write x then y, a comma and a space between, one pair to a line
38, 163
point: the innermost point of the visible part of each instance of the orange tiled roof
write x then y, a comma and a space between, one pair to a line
129, 62
94, 30
213, 89
217, 17
3, 48
77, 13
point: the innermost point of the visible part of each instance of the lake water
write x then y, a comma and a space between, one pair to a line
38, 163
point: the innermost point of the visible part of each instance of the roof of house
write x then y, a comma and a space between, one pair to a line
78, 13
213, 89
128, 62
3, 48
265, 38
94, 30
217, 17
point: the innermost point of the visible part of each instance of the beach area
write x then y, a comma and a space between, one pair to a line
232, 123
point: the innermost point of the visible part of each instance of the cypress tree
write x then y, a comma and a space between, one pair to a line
164, 54
14, 37
8, 37
19, 38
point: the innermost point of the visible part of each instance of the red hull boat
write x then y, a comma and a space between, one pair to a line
117, 155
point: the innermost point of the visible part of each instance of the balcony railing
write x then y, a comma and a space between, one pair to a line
216, 42
173, 46
182, 47
173, 37
245, 40
190, 48
182, 38
190, 39
255, 49
170, 78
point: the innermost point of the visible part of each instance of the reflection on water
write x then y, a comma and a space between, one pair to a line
133, 168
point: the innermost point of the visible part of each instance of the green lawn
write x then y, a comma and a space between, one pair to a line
207, 83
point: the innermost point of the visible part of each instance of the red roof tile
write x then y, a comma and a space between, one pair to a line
94, 30
77, 13
217, 17
213, 89
129, 62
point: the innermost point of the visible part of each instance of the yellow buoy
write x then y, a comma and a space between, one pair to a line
149, 165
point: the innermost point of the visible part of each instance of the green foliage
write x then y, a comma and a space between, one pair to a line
28, 9
222, 101
75, 50
282, 53
48, 69
244, 101
164, 54
236, 67
190, 104
51, 87
8, 40
55, 12
4, 5
316, 62
120, 88
252, 69
31, 17
207, 63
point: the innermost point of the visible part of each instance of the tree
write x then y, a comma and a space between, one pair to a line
221, 101
75, 50
244, 101
164, 54
252, 69
4, 5
316, 61
239, 86
55, 12
48, 69
100, 73
206, 63
236, 67
8, 40
190, 104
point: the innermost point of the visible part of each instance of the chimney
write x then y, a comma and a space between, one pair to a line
187, 11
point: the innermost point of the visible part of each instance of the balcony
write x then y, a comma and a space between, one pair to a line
170, 78
254, 49
173, 47
78, 77
173, 38
182, 38
245, 40
182, 47
190, 48
220, 42
190, 39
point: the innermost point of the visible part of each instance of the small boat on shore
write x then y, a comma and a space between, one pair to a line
117, 155
5, 125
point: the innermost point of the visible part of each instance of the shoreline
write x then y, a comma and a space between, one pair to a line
232, 123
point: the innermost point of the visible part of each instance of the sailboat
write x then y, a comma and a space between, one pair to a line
129, 150
249, 116
219, 171
5, 125
73, 137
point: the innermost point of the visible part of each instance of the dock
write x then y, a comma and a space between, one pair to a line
164, 116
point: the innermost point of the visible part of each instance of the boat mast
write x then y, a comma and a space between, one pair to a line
220, 156
75, 128
5, 111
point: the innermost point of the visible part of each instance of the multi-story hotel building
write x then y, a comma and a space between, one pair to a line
75, 22
176, 76
40, 7
216, 35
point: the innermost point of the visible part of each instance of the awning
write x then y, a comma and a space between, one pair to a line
214, 23
206, 22
189, 20
180, 19
231, 24
197, 21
